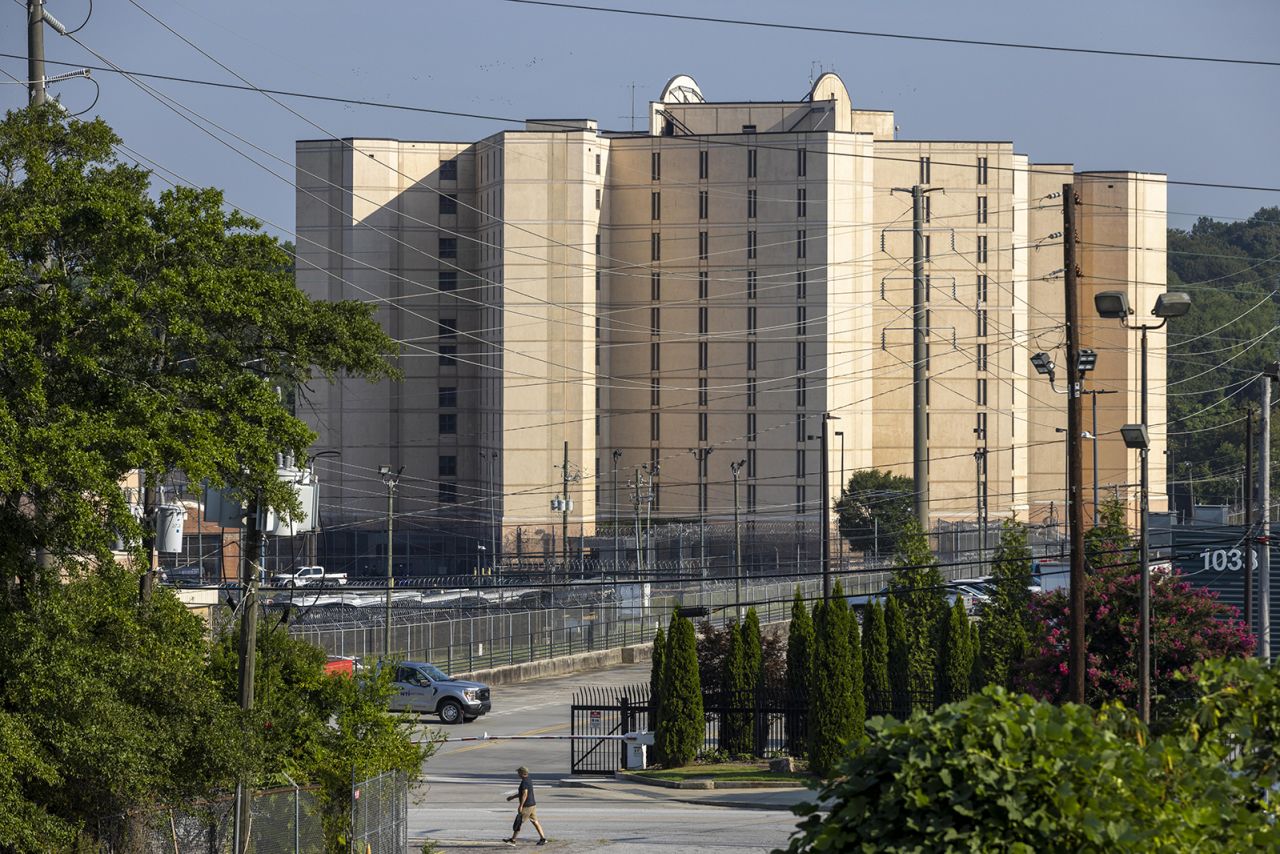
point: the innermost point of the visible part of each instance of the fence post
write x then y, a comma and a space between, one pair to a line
624, 705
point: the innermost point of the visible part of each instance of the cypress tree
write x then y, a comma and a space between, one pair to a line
799, 668
978, 677
831, 710
655, 679
955, 661
875, 660
918, 585
735, 736
753, 648
899, 659
1005, 615
682, 726
859, 707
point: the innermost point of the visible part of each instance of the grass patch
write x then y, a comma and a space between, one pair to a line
728, 771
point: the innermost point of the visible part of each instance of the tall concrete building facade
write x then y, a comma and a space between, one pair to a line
697, 294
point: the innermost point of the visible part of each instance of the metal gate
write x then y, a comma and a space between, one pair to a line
597, 713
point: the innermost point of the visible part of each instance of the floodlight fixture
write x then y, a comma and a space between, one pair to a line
1043, 364
1087, 360
1135, 436
1113, 305
1172, 304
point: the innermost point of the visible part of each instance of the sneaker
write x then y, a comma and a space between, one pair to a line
542, 841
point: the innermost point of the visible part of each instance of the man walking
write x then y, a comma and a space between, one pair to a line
528, 810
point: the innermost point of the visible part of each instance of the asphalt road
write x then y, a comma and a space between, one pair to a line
460, 804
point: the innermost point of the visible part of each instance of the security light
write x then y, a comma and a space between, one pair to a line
384, 470
1113, 305
1172, 304
1135, 436
1087, 360
1043, 364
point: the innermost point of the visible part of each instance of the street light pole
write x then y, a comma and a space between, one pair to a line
735, 467
701, 455
390, 481
613, 514
1115, 305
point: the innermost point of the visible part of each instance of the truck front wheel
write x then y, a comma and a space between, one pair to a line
450, 711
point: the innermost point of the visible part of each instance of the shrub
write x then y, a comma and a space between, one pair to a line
955, 658
799, 670
831, 709
682, 725
918, 586
875, 657
899, 658
737, 688
1001, 772
655, 681
1005, 616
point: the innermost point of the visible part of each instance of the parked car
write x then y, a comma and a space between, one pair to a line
183, 576
426, 689
305, 575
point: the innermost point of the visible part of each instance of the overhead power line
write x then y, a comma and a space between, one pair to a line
774, 25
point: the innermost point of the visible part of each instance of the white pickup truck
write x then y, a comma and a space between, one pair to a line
305, 575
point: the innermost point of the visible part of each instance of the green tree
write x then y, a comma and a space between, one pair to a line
955, 658
873, 508
978, 678
106, 705
1005, 615
800, 642
875, 659
655, 681
682, 726
859, 706
141, 331
736, 686
899, 658
752, 649
918, 586
831, 707
1110, 541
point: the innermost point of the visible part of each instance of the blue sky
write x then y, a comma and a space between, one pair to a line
1194, 121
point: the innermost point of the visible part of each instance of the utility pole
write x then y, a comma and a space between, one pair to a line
1250, 540
390, 481
919, 357
564, 517
980, 479
736, 467
1075, 509
1144, 558
248, 647
1264, 537
639, 551
35, 52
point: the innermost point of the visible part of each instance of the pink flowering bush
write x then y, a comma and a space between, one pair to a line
1188, 625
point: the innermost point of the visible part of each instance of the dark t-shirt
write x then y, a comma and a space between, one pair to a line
526, 786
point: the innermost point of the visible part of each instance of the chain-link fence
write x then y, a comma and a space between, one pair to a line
503, 637
380, 815
281, 821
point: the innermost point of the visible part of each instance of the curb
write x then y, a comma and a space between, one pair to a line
707, 784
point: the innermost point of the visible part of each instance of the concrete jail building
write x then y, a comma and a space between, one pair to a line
716, 281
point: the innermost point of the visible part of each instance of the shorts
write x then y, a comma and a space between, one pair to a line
529, 813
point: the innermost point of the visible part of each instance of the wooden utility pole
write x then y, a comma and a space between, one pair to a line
1075, 451
248, 651
1250, 541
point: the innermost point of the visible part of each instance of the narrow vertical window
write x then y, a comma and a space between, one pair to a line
982, 210
702, 391
751, 355
802, 393
751, 391
802, 351
802, 162
928, 208
982, 392
928, 247
751, 284
800, 454
597, 243
751, 426
704, 204
982, 249
703, 245
751, 320
655, 392
655, 360
655, 247
982, 170
982, 287
702, 426
925, 170
598, 193
751, 204
751, 243
655, 427
802, 202
751, 162
704, 319
655, 205
802, 284
802, 321
655, 320
703, 284
703, 157
802, 243
982, 323
655, 286
655, 166
982, 357
597, 164
703, 355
